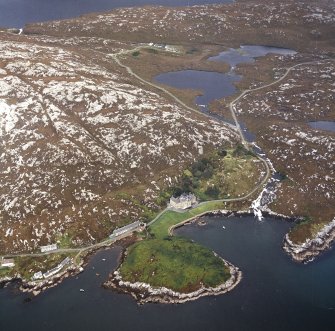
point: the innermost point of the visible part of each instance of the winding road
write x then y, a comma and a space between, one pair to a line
232, 108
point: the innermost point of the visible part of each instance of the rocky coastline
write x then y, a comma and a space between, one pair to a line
145, 293
303, 253
247, 212
311, 248
36, 287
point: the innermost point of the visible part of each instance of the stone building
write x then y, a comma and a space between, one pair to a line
183, 202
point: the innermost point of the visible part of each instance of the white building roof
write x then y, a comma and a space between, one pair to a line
126, 228
48, 248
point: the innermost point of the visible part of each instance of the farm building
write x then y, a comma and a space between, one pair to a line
9, 263
128, 228
48, 248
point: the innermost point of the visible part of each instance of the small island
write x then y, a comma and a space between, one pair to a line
173, 270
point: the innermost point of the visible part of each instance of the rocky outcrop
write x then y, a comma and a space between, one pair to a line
36, 287
145, 293
311, 248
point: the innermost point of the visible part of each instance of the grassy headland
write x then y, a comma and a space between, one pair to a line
175, 263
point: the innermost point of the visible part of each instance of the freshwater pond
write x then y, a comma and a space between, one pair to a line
323, 125
214, 85
248, 53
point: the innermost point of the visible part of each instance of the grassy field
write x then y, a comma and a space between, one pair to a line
175, 263
160, 228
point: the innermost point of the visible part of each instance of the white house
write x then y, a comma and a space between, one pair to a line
57, 269
183, 202
37, 275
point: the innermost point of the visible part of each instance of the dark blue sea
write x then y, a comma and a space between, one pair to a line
275, 293
16, 13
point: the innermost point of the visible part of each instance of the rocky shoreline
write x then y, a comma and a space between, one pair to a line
247, 212
304, 253
145, 293
36, 287
311, 248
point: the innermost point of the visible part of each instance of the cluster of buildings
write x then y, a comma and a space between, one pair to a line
53, 271
184, 201
168, 48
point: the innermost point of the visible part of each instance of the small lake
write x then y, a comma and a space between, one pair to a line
16, 13
213, 85
247, 53
275, 293
323, 125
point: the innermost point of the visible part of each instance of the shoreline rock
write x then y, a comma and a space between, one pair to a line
145, 293
303, 253
307, 251
37, 287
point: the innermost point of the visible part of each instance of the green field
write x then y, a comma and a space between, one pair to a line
224, 173
175, 263
160, 229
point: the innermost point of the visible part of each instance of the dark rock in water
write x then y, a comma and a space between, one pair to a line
26, 300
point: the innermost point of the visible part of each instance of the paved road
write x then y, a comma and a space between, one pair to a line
131, 72
232, 109
79, 250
